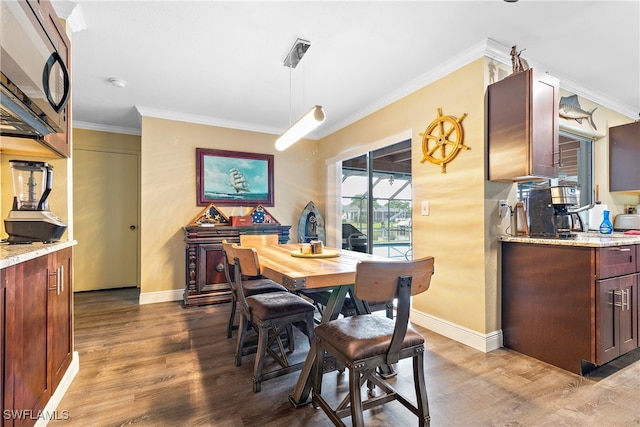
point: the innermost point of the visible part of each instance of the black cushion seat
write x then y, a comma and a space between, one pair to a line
274, 305
362, 337
261, 286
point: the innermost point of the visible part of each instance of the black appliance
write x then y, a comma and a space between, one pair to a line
30, 219
34, 81
550, 214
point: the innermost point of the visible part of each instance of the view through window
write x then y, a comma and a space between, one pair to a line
382, 177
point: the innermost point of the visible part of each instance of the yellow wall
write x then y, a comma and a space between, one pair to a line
454, 232
168, 198
109, 141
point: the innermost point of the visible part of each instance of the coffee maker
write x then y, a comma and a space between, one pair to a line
30, 219
549, 212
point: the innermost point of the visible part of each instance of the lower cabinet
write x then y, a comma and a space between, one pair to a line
617, 310
37, 334
571, 306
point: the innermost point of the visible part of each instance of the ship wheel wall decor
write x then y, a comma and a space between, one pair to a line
442, 140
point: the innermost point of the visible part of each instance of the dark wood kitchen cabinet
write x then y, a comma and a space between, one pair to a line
624, 157
205, 279
37, 333
522, 127
617, 309
574, 307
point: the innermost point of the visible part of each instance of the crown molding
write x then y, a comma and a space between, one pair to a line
202, 120
487, 48
70, 11
105, 128
501, 53
456, 62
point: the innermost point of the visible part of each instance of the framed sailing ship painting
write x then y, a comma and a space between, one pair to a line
233, 178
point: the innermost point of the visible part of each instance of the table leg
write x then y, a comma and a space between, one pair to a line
302, 389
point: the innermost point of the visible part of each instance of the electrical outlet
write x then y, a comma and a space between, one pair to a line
503, 208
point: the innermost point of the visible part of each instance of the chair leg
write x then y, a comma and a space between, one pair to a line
232, 317
317, 369
263, 335
291, 338
242, 331
355, 397
424, 418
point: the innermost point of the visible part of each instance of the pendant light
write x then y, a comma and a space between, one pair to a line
314, 117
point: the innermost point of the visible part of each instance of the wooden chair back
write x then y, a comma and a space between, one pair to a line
228, 256
378, 280
259, 239
386, 280
248, 260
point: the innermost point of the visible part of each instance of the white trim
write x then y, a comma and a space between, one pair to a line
488, 47
49, 410
104, 128
210, 121
483, 342
371, 146
446, 68
501, 53
160, 296
580, 131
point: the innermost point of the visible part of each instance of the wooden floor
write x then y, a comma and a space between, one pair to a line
164, 365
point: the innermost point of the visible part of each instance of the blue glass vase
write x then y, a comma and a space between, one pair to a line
605, 226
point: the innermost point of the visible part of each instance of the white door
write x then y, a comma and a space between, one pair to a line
105, 210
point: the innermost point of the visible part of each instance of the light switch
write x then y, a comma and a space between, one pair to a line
425, 208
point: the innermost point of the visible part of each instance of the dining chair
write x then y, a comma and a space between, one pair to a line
363, 343
259, 239
253, 286
270, 315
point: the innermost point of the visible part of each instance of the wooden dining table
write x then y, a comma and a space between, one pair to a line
334, 269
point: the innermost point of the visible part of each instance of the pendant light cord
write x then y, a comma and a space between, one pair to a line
289, 96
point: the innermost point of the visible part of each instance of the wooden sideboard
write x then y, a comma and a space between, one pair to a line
205, 279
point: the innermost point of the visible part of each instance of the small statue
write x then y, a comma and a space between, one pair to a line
518, 64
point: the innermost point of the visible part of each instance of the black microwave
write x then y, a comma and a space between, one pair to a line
34, 80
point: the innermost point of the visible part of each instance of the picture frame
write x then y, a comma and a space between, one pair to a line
233, 178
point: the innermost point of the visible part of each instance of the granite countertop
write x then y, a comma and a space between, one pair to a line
15, 254
588, 239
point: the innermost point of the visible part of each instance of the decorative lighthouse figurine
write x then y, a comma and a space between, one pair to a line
605, 226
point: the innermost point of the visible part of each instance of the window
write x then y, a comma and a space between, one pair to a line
576, 169
386, 175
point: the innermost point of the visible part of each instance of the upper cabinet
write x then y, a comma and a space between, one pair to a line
522, 122
624, 157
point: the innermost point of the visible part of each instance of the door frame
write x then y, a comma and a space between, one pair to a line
334, 181
137, 154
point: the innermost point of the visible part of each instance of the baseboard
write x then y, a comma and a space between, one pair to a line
483, 342
51, 410
160, 296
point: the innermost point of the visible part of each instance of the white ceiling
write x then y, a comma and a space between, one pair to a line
221, 63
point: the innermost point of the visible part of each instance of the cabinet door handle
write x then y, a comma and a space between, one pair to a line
619, 249
55, 288
61, 275
625, 300
616, 302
